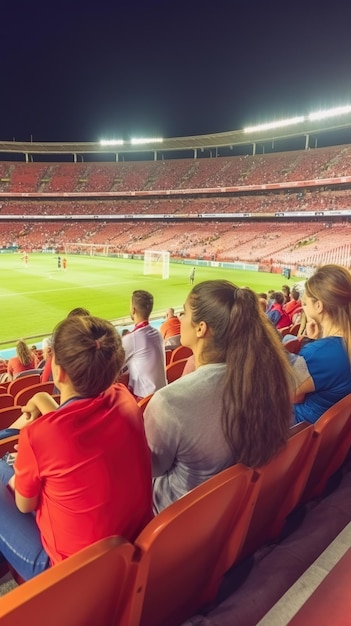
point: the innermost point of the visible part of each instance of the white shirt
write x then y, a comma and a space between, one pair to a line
145, 359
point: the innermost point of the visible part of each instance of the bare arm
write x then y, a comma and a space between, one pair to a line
306, 387
26, 505
40, 404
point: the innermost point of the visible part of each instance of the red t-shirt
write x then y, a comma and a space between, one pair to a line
90, 465
170, 328
15, 366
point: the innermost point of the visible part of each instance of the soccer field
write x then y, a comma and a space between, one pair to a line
35, 297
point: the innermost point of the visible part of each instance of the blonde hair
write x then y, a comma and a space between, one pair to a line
24, 353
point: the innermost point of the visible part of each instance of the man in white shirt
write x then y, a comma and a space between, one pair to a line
144, 349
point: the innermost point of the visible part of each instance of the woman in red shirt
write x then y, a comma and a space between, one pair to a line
84, 466
25, 360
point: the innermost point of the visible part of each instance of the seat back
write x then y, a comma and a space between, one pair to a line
188, 545
297, 315
168, 354
22, 382
175, 369
22, 397
7, 445
99, 585
285, 330
144, 402
294, 345
182, 352
282, 481
6, 400
332, 440
8, 415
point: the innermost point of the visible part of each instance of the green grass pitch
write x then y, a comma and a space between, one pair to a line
35, 297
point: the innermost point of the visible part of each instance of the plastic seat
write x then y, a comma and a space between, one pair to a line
168, 356
8, 415
8, 445
297, 316
331, 441
174, 370
101, 584
180, 353
284, 331
6, 400
144, 402
22, 382
22, 397
282, 482
192, 543
294, 345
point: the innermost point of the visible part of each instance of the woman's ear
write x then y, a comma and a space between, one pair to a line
201, 329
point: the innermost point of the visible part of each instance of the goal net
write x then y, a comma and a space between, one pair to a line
156, 262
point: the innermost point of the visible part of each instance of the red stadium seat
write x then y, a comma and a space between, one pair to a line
27, 393
175, 369
21, 383
282, 481
331, 441
192, 543
182, 352
101, 584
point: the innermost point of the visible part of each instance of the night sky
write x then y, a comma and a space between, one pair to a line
81, 70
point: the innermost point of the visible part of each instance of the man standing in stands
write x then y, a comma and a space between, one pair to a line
192, 276
170, 330
144, 349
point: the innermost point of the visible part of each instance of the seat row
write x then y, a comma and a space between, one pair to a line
175, 566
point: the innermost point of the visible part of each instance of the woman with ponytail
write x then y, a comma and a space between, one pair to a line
235, 407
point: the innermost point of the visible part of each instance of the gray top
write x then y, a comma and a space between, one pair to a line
184, 432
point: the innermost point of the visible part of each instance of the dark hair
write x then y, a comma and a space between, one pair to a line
278, 296
78, 311
295, 294
256, 399
90, 351
143, 301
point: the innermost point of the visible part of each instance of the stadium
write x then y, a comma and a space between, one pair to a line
262, 199
260, 207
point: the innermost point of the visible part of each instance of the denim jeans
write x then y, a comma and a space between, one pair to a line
20, 543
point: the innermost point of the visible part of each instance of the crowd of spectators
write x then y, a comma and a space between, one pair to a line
215, 415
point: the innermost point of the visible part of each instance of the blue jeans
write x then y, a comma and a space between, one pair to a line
20, 543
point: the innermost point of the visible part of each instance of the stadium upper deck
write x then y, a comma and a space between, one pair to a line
299, 136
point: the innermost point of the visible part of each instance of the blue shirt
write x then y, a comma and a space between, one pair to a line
329, 365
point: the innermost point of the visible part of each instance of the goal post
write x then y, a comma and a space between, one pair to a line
156, 262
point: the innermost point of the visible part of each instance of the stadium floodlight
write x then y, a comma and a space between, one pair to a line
321, 115
111, 142
140, 141
272, 125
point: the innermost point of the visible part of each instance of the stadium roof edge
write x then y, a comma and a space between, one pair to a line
191, 143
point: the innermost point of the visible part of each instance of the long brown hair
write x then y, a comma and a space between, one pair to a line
90, 351
24, 353
256, 401
331, 284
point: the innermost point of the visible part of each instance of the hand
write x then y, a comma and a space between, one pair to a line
30, 411
312, 329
